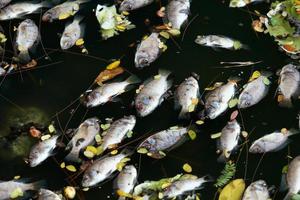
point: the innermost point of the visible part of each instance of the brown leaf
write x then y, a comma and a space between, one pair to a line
108, 74
34, 132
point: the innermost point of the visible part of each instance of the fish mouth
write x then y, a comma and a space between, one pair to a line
142, 62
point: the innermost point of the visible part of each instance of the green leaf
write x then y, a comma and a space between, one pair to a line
226, 174
192, 134
237, 45
233, 102
285, 169
266, 81
279, 26
129, 134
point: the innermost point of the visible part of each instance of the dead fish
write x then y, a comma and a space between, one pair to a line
83, 136
186, 97
45, 194
152, 93
27, 37
129, 5
185, 184
257, 190
103, 168
63, 11
157, 144
253, 92
293, 178
4, 3
108, 91
20, 9
72, 33
288, 88
177, 13
219, 41
148, 51
8, 187
126, 180
272, 142
243, 3
229, 139
216, 101
117, 131
42, 150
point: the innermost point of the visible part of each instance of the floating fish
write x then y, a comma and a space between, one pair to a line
27, 37
4, 3
108, 91
254, 91
129, 5
42, 150
186, 97
229, 139
72, 33
219, 41
257, 190
177, 13
21, 9
63, 11
117, 131
84, 135
45, 194
157, 144
293, 178
126, 181
152, 93
148, 51
272, 142
103, 168
16, 188
288, 88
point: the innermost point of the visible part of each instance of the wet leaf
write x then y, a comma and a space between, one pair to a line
156, 77
92, 149
199, 122
125, 13
62, 165
216, 135
233, 190
245, 134
121, 193
69, 192
45, 137
124, 160
174, 32
142, 150
285, 169
164, 34
88, 154
174, 128
114, 152
113, 65
233, 102
99, 150
266, 81
79, 42
71, 168
85, 189
129, 134
108, 74
237, 45
17, 177
64, 16
255, 75
191, 108
162, 153
120, 166
51, 128
192, 134
105, 126
187, 168
98, 138
16, 193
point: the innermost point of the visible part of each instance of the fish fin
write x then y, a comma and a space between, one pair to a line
223, 158
73, 156
184, 114
164, 72
286, 102
292, 132
133, 79
24, 56
208, 178
38, 184
283, 184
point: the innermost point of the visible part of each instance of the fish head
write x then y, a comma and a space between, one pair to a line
127, 5
91, 178
91, 99
260, 185
237, 3
145, 105
202, 40
256, 148
67, 41
289, 69
213, 109
48, 16
245, 100
142, 59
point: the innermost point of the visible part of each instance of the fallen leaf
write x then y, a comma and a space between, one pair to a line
108, 74
92, 149
142, 150
114, 64
216, 135
233, 190
255, 75
45, 137
114, 152
199, 122
79, 42
71, 168
62, 165
266, 81
164, 34
16, 193
88, 154
192, 134
51, 128
233, 102
187, 168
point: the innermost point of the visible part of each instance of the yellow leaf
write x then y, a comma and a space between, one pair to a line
164, 34
142, 150
174, 32
233, 190
216, 135
114, 64
114, 152
199, 122
156, 77
120, 166
51, 128
88, 154
195, 101
165, 185
99, 150
187, 168
124, 160
79, 42
62, 165
121, 193
16, 193
92, 149
120, 28
125, 13
17, 177
245, 134
45, 137
85, 189
64, 16
71, 168
255, 75
98, 138
191, 108
192, 134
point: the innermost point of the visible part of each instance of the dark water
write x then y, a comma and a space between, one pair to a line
51, 88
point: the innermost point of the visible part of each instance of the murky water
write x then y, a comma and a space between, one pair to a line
51, 88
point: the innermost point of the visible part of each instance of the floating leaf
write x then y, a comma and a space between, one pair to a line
174, 32
105, 126
199, 122
63, 165
125, 13
237, 45
255, 75
79, 42
233, 102
285, 169
191, 108
71, 168
245, 134
98, 138
164, 34
99, 150
216, 135
45, 137
85, 189
129, 134
226, 174
187, 168
124, 160
233, 190
17, 177
16, 193
121, 193
266, 81
69, 192
64, 16
162, 153
156, 77
114, 152
142, 150
174, 128
192, 134
113, 65
92, 149
120, 166
88, 154
51, 128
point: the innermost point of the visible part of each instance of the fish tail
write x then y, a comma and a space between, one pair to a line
288, 196
164, 72
286, 102
293, 132
37, 185
73, 156
208, 178
133, 79
24, 56
184, 114
222, 158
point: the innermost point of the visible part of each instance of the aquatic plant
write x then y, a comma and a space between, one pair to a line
226, 174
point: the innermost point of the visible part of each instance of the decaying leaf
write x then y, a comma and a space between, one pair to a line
108, 74
192, 134
71, 168
233, 190
187, 168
